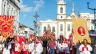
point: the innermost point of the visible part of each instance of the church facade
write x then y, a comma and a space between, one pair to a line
63, 24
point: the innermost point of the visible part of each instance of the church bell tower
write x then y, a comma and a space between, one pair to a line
61, 9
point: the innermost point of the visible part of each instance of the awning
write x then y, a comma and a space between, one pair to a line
92, 33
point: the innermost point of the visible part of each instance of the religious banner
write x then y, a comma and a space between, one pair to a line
80, 30
6, 26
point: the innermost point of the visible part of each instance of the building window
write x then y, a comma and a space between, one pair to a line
12, 11
61, 10
68, 27
53, 29
8, 10
85, 16
4, 10
61, 27
26, 32
72, 16
20, 26
61, 17
18, 0
91, 27
44, 29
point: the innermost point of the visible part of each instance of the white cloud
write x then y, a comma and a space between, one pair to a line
24, 7
38, 4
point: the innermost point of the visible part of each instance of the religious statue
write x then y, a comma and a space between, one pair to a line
81, 31
48, 32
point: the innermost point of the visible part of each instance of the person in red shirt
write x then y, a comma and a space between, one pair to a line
25, 47
17, 46
52, 46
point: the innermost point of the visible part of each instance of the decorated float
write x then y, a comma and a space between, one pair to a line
48, 35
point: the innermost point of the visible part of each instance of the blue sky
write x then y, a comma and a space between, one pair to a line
47, 9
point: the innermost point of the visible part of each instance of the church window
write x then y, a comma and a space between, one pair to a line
68, 27
53, 29
61, 27
61, 10
61, 16
72, 16
85, 17
44, 29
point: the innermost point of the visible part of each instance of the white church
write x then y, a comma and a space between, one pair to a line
63, 23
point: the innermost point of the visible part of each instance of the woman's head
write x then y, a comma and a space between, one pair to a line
37, 39
85, 41
26, 41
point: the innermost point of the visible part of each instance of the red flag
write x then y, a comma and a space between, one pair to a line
6, 26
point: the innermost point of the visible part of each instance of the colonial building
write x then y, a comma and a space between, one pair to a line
11, 8
25, 31
63, 23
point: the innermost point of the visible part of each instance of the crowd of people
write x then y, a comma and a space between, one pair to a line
12, 46
65, 46
52, 46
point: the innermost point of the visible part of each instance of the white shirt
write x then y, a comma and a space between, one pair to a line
7, 51
31, 47
85, 50
17, 45
25, 47
39, 49
61, 47
1, 46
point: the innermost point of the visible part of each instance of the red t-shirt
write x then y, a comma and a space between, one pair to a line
52, 44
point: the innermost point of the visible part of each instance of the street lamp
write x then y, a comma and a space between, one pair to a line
94, 9
35, 22
35, 27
